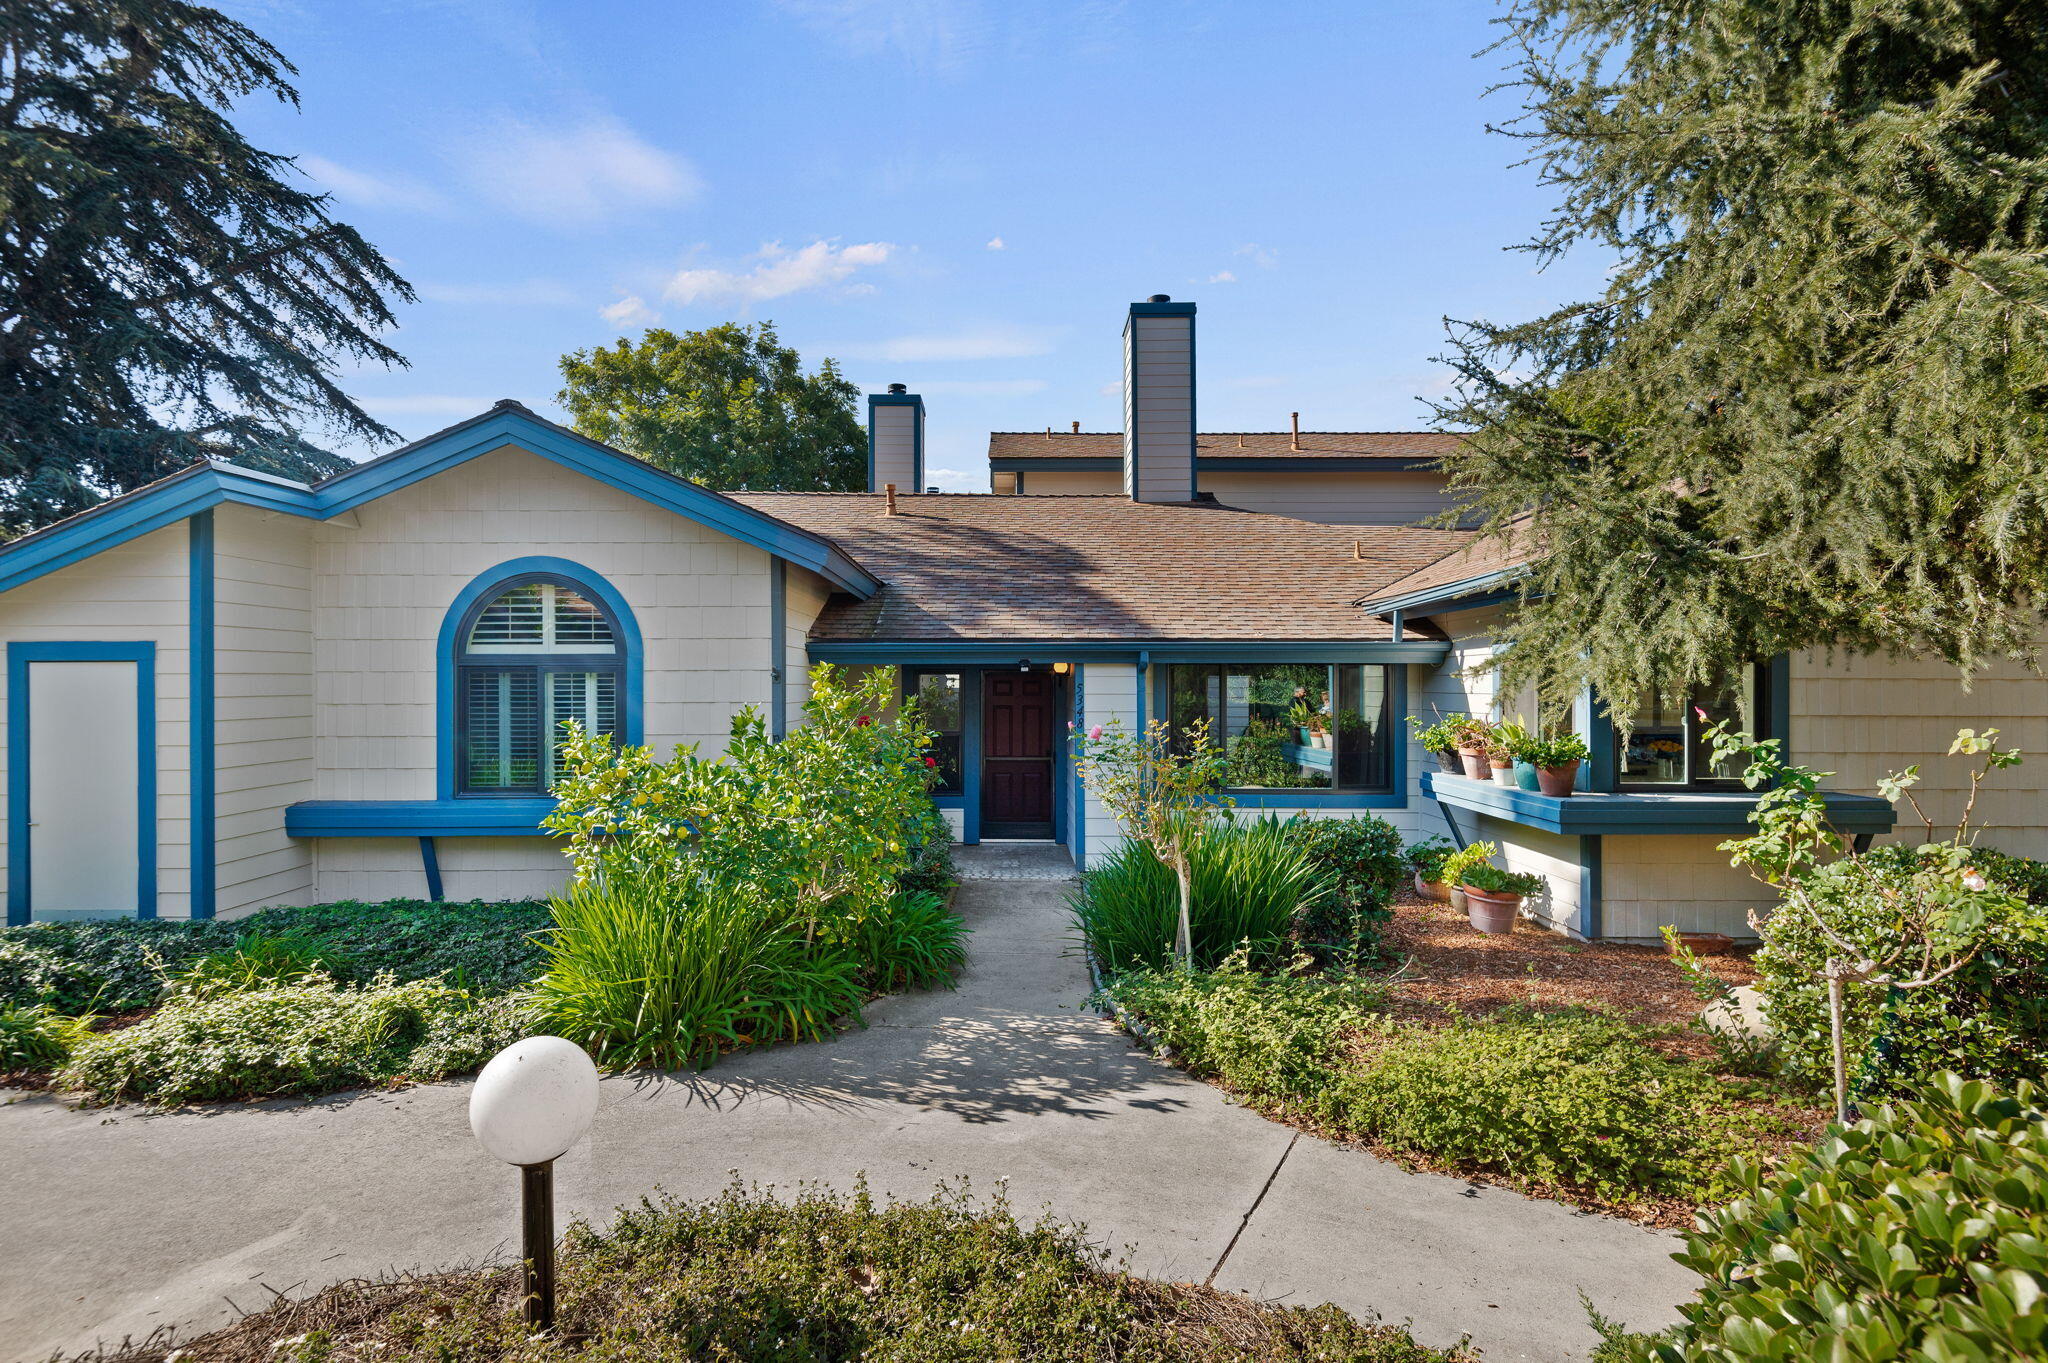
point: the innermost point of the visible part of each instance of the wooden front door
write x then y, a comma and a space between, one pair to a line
1016, 754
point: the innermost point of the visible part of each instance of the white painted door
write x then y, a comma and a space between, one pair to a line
82, 789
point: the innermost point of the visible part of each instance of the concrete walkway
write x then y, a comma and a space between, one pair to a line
119, 1222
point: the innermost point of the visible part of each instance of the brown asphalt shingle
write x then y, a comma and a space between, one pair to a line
1475, 559
987, 567
1390, 445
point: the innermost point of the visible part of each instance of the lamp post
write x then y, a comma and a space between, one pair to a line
531, 1103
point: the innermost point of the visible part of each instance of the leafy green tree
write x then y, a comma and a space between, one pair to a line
730, 407
164, 294
1810, 404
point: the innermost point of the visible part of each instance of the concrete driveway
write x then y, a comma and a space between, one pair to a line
119, 1222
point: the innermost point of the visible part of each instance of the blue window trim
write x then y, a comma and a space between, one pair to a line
1077, 843
204, 755
487, 584
471, 816
203, 486
20, 732
1394, 797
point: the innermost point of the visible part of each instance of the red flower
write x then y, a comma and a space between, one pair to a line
862, 722
931, 761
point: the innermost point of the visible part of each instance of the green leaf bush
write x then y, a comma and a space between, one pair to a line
1362, 860
122, 965
36, 1037
915, 942
1251, 879
1921, 1232
1989, 1020
817, 1277
310, 1037
1574, 1101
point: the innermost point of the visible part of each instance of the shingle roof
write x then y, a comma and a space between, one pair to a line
962, 567
1479, 560
1407, 445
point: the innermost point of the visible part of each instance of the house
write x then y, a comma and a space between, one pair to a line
227, 690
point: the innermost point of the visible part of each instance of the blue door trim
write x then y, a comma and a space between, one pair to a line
778, 648
19, 731
205, 759
482, 587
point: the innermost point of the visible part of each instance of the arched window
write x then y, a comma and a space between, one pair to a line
531, 655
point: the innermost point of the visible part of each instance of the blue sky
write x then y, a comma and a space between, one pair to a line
961, 195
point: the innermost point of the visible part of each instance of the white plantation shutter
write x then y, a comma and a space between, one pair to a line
537, 655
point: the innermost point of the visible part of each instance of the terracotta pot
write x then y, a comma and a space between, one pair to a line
1450, 762
1557, 781
1432, 889
1494, 913
1474, 764
1707, 943
1504, 776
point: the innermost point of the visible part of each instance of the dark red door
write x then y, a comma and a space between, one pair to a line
1016, 754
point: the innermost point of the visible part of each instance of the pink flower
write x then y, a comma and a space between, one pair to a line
1070, 726
1974, 880
1095, 733
1701, 711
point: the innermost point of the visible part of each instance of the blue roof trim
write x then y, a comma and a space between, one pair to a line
1127, 650
1690, 813
1448, 594
204, 486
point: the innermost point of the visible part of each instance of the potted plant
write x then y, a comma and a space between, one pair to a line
1474, 735
1554, 762
1514, 740
1303, 720
1426, 859
1500, 766
1493, 897
1440, 739
1458, 863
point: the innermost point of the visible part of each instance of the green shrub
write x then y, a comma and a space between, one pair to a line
914, 943
122, 965
2024, 876
647, 968
300, 1038
1577, 1101
36, 1037
931, 868
1250, 880
1918, 1233
1362, 860
257, 962
1989, 1020
821, 1277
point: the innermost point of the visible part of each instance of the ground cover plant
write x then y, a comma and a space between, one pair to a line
1917, 1233
816, 1278
1250, 881
1572, 1103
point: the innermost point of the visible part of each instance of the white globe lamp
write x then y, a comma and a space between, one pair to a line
531, 1103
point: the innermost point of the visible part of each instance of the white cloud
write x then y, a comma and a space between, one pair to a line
371, 191
936, 36
983, 388
1112, 388
777, 273
630, 311
957, 480
996, 244
1223, 277
528, 293
987, 343
1265, 257
426, 404
575, 174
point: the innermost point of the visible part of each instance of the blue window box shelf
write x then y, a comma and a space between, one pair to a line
1689, 812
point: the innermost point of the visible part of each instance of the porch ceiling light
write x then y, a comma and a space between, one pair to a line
1061, 669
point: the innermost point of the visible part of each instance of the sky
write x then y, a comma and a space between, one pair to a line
959, 195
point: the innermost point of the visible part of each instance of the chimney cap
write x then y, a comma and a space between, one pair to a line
1160, 298
899, 388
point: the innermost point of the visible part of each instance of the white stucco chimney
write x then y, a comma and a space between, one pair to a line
895, 439
1159, 401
